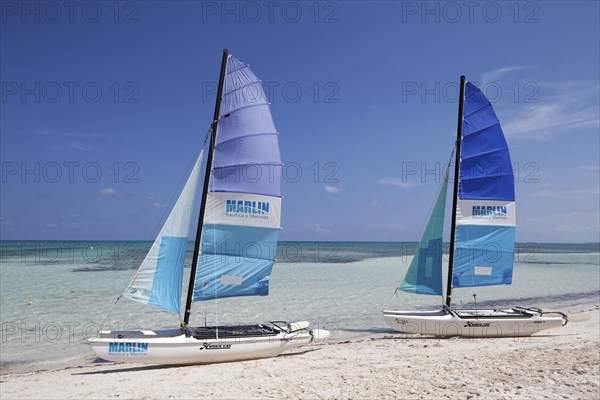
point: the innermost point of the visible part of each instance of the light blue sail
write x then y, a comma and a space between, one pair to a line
243, 208
159, 279
486, 219
424, 275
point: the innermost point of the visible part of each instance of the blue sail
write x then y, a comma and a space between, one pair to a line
243, 208
486, 219
424, 275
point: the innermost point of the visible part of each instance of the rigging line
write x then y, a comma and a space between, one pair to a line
109, 312
177, 192
447, 178
207, 135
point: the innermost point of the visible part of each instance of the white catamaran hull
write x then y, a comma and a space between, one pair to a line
175, 347
473, 323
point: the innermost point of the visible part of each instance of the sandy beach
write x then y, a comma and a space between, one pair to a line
564, 363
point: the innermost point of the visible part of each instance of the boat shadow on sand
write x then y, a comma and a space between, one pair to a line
100, 362
391, 334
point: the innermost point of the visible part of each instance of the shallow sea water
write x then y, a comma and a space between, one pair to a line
53, 295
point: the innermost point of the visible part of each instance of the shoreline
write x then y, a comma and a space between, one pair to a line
572, 305
562, 363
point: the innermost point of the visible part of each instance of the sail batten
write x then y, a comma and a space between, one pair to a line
243, 206
248, 135
486, 212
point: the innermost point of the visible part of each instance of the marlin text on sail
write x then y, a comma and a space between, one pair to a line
247, 209
490, 211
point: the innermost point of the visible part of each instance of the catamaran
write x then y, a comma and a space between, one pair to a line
483, 216
234, 250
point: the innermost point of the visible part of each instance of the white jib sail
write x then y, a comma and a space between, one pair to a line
158, 281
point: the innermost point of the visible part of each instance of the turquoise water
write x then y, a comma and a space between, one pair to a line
55, 294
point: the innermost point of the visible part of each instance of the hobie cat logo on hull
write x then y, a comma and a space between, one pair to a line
470, 324
213, 346
247, 209
490, 211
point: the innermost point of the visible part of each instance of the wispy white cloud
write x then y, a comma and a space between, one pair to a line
43, 132
394, 182
497, 74
317, 228
374, 202
583, 193
543, 108
561, 107
73, 225
80, 146
156, 203
537, 121
333, 189
579, 226
388, 227
588, 168
86, 134
543, 193
51, 225
568, 194
110, 192
56, 133
58, 146
64, 141
392, 231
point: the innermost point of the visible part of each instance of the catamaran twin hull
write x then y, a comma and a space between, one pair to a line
517, 322
202, 345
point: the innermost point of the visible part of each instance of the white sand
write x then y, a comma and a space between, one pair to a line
562, 363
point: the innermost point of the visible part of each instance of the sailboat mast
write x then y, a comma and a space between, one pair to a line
213, 137
461, 103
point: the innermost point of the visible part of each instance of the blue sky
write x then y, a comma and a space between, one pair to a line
105, 105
